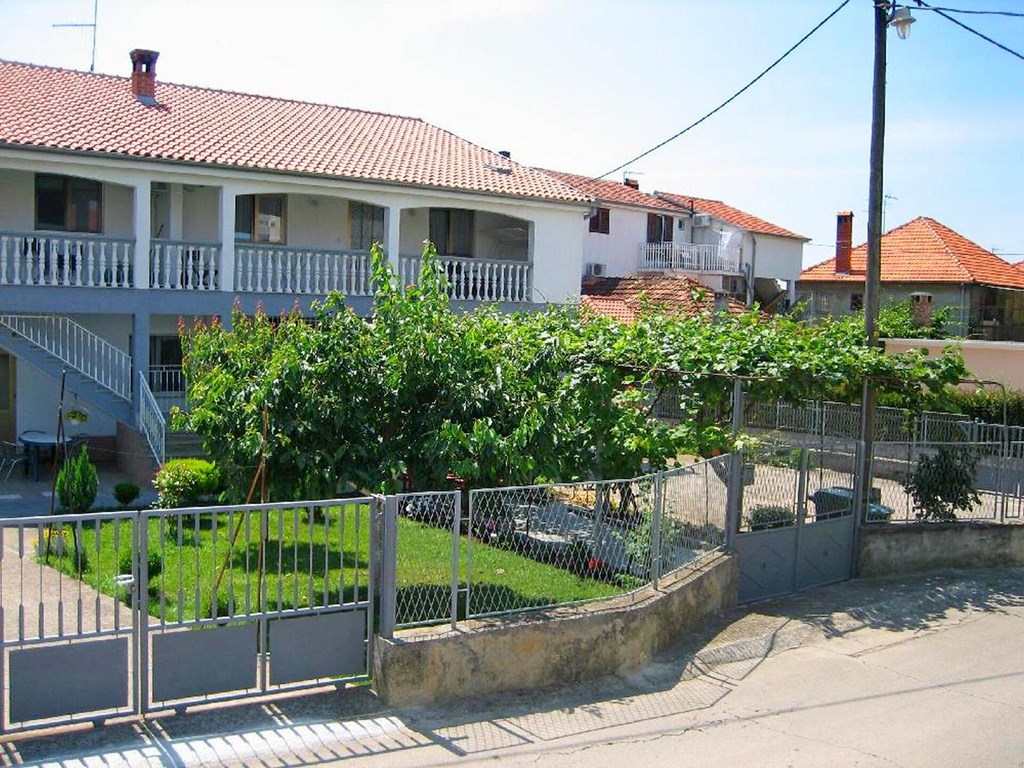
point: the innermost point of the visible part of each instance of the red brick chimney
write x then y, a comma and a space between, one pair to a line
844, 241
144, 74
632, 183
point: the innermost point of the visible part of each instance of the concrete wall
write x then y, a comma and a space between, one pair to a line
891, 549
553, 647
780, 258
619, 250
1001, 361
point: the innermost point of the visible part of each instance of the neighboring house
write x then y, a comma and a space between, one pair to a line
126, 203
923, 256
624, 298
728, 250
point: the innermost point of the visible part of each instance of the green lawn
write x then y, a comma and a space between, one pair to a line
308, 561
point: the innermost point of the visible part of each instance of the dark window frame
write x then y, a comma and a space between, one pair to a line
452, 231
253, 219
363, 225
600, 222
69, 191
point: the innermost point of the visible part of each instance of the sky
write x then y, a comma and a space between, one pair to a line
585, 86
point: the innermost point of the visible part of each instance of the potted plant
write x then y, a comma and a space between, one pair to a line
76, 416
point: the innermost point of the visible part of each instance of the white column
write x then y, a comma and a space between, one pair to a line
227, 238
791, 292
392, 234
140, 259
176, 200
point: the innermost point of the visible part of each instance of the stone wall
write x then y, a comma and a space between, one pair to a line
558, 646
892, 549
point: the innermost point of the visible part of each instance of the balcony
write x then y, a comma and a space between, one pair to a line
167, 383
65, 260
477, 279
273, 269
687, 257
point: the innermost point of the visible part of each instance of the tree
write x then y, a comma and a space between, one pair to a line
423, 391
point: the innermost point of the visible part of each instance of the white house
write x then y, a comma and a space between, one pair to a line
730, 251
126, 203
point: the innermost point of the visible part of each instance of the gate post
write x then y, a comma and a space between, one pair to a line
140, 614
388, 566
656, 514
456, 499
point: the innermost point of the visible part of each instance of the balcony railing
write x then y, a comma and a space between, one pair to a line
269, 269
184, 266
688, 257
72, 260
477, 279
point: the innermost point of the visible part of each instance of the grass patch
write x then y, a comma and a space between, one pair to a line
311, 558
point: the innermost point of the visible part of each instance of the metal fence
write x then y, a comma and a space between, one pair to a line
842, 421
993, 472
505, 550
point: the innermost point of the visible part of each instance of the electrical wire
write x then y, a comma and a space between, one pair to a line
732, 98
973, 31
1012, 14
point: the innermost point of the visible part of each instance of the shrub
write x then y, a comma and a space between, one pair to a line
764, 517
987, 404
182, 482
126, 493
77, 483
944, 483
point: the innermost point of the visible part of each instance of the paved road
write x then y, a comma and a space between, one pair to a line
922, 671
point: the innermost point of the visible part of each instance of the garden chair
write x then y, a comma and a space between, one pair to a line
10, 457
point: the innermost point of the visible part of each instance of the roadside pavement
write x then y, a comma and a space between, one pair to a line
921, 670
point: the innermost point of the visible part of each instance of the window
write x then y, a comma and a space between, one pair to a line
68, 204
600, 220
259, 219
856, 302
366, 223
659, 228
451, 231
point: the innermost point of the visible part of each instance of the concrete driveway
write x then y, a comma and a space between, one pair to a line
916, 671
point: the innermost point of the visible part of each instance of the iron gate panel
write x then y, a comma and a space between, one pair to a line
67, 649
825, 552
92, 676
194, 664
329, 645
767, 560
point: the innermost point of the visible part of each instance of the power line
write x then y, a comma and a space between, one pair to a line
970, 29
725, 103
1014, 14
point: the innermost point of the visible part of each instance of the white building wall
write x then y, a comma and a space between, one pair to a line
17, 211
619, 250
318, 221
778, 257
200, 211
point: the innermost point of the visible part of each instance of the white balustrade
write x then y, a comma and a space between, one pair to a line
184, 266
476, 279
151, 420
73, 260
688, 257
77, 347
266, 269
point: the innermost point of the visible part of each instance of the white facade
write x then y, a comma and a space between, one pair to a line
167, 248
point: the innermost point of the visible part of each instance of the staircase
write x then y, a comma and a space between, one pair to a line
184, 445
97, 371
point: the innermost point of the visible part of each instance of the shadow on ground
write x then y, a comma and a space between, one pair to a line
695, 674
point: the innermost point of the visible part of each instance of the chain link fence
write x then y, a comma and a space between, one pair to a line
506, 550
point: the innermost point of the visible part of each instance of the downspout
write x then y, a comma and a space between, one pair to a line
750, 270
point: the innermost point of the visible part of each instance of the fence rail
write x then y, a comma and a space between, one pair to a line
270, 269
476, 279
72, 260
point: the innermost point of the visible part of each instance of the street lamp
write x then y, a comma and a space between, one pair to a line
886, 13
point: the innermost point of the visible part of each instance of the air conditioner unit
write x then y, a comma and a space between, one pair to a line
702, 220
595, 270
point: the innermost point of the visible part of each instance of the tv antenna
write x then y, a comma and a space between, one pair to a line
95, 10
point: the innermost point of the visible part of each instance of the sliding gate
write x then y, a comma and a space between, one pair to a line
124, 613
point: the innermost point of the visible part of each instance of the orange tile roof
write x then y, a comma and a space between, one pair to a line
925, 251
728, 214
81, 112
606, 191
623, 298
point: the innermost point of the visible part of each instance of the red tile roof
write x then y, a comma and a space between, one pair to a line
925, 251
605, 191
623, 298
1019, 265
728, 214
81, 112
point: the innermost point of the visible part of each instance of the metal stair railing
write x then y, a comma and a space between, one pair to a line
151, 420
77, 347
